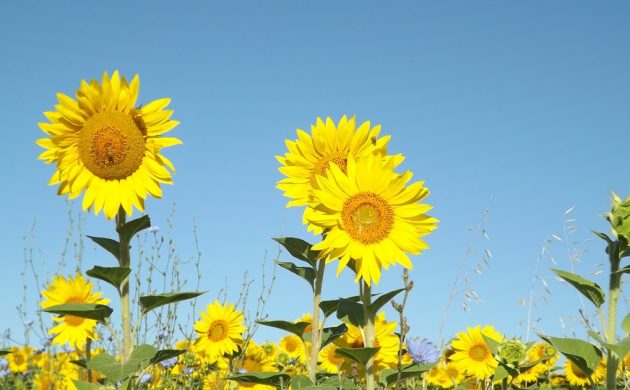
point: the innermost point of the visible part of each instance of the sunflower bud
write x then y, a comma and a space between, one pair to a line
512, 351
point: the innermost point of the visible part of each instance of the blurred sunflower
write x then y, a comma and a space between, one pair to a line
472, 354
294, 347
71, 329
576, 377
220, 330
328, 361
19, 358
102, 144
370, 215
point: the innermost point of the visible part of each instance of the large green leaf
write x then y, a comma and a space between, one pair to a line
359, 355
165, 354
301, 382
330, 307
389, 376
264, 378
584, 355
297, 328
112, 246
299, 249
150, 302
306, 273
382, 300
128, 230
112, 275
589, 289
115, 371
351, 312
336, 383
85, 386
84, 310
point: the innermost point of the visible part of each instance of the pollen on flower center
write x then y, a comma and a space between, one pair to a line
367, 217
478, 352
73, 320
217, 331
111, 145
340, 159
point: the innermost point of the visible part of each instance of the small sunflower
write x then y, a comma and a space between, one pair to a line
328, 361
19, 359
220, 330
106, 146
370, 216
294, 347
576, 377
472, 354
71, 329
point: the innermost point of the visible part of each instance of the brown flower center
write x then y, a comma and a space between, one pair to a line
479, 352
111, 145
367, 217
218, 331
340, 159
73, 320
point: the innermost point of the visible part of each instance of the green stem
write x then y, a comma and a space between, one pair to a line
613, 297
368, 333
125, 309
315, 331
88, 356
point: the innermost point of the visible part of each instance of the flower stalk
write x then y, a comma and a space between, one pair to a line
125, 308
316, 332
368, 332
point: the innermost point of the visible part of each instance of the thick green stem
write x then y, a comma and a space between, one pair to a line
315, 331
88, 356
125, 309
611, 333
368, 333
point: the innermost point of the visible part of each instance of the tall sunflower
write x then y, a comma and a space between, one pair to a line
106, 146
472, 353
370, 215
220, 330
71, 329
310, 156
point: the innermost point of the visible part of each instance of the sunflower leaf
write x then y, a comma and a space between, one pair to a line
84, 385
91, 311
165, 354
590, 290
112, 275
306, 273
297, 328
299, 249
128, 230
264, 378
352, 312
332, 333
301, 382
390, 376
150, 302
330, 307
625, 324
383, 299
116, 371
584, 355
359, 355
112, 246
4, 352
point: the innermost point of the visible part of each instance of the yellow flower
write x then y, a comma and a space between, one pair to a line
576, 377
445, 375
535, 353
370, 216
220, 330
106, 146
328, 361
472, 354
71, 329
216, 380
19, 359
256, 360
294, 347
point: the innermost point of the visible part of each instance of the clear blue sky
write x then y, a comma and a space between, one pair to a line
519, 107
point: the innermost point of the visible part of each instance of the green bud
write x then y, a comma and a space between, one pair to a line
512, 351
619, 217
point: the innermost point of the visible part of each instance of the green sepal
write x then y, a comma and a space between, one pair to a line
306, 273
590, 290
112, 246
351, 312
330, 307
129, 229
91, 311
382, 300
150, 302
264, 378
359, 355
583, 354
116, 371
165, 354
297, 328
112, 275
299, 249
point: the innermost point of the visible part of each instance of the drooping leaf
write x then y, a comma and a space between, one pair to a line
299, 249
263, 378
150, 302
116, 371
352, 312
359, 355
129, 229
165, 354
91, 311
112, 246
590, 290
603, 236
330, 307
112, 275
297, 328
306, 273
584, 355
383, 299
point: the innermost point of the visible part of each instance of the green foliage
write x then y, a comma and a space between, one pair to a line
297, 328
4, 352
590, 290
389, 376
583, 354
301, 382
330, 307
299, 249
330, 334
116, 371
85, 386
91, 311
619, 217
625, 324
382, 300
264, 378
112, 275
306, 273
150, 302
165, 354
112, 246
359, 355
352, 312
129, 229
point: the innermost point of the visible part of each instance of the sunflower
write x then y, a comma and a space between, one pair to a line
256, 360
19, 358
328, 361
576, 377
220, 330
472, 354
445, 375
371, 216
106, 146
293, 347
71, 329
536, 353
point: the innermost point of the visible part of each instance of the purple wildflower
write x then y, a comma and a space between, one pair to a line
422, 351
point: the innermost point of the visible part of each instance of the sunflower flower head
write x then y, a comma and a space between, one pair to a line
472, 353
107, 147
220, 330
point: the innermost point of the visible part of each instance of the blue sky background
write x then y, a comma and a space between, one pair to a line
518, 107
